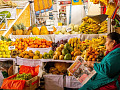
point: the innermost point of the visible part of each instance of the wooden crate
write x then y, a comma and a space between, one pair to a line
31, 84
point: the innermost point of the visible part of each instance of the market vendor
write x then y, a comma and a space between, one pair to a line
107, 75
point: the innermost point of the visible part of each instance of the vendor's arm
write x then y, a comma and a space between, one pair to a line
109, 68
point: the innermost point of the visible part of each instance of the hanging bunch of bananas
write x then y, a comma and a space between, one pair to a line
8, 3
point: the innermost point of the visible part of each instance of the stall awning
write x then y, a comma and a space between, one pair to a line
42, 5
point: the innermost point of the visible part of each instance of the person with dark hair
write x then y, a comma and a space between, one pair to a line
107, 75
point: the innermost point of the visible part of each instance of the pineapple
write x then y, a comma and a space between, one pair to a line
14, 29
19, 31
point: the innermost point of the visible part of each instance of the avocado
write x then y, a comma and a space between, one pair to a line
66, 46
64, 51
67, 57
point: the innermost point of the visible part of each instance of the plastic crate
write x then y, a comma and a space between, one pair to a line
28, 62
71, 82
53, 82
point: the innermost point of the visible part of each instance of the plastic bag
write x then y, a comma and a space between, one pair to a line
27, 69
13, 84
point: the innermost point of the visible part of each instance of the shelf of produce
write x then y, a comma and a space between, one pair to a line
51, 60
29, 62
50, 37
42, 50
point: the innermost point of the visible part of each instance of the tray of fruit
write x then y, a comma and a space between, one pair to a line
42, 50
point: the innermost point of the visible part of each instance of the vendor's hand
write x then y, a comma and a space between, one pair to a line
89, 64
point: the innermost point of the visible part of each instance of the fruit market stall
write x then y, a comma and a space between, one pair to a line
49, 50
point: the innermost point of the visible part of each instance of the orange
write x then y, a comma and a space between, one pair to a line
91, 56
43, 43
36, 46
44, 46
39, 43
47, 46
93, 59
40, 46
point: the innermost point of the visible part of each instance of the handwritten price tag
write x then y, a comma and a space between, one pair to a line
11, 47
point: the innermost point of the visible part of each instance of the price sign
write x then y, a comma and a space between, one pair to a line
68, 29
11, 47
50, 28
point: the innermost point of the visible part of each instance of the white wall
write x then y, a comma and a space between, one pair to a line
93, 9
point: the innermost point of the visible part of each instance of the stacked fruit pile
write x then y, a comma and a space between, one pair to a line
20, 29
89, 26
55, 45
63, 52
103, 27
14, 53
48, 55
71, 29
30, 55
4, 51
94, 54
22, 44
34, 30
59, 68
23, 76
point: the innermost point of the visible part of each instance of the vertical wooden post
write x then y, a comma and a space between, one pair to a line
32, 12
109, 25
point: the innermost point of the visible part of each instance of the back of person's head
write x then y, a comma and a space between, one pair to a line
114, 36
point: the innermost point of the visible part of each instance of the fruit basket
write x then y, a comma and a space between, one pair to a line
29, 62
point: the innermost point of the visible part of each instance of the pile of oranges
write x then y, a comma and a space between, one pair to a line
22, 44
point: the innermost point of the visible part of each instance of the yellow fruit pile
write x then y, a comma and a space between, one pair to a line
94, 54
89, 26
4, 51
30, 55
59, 68
103, 27
83, 45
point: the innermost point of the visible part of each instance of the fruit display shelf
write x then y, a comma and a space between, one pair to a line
51, 60
42, 50
50, 37
29, 62
35, 62
7, 59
